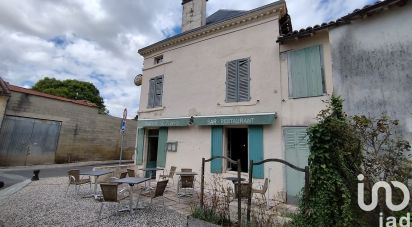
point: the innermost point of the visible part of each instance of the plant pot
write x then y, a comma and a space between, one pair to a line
194, 222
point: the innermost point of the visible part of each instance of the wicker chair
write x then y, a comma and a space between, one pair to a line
76, 181
131, 172
110, 195
158, 191
244, 190
170, 175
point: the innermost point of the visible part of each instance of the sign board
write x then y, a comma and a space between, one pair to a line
253, 119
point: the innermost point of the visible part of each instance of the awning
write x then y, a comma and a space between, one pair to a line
164, 122
241, 119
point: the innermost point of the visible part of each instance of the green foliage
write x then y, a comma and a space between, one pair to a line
72, 89
385, 159
211, 216
334, 162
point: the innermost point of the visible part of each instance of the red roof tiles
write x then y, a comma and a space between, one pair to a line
41, 94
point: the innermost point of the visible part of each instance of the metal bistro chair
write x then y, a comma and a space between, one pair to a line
262, 190
74, 179
170, 175
158, 191
110, 195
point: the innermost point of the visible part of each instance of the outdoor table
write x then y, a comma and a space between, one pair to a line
96, 174
151, 170
234, 179
184, 174
131, 181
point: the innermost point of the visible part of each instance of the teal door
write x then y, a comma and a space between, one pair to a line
152, 145
297, 153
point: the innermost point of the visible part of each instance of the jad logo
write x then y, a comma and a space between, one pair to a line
390, 221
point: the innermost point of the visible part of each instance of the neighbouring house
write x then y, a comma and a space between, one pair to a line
4, 97
371, 52
39, 128
225, 87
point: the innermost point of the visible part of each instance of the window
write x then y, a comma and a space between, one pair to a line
238, 80
158, 59
155, 92
306, 72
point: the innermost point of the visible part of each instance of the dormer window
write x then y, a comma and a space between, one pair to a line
158, 59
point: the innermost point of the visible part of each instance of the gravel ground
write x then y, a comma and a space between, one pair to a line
43, 203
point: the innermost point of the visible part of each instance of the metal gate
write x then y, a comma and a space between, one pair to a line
28, 141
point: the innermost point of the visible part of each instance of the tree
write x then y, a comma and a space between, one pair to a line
72, 89
386, 158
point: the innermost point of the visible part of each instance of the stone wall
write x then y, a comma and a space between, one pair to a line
85, 134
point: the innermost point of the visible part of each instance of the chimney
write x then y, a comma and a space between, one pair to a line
194, 14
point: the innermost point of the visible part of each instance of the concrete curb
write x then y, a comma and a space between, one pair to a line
5, 193
17, 168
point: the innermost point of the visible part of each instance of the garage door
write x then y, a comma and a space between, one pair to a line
28, 141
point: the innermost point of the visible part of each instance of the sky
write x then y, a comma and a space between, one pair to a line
97, 40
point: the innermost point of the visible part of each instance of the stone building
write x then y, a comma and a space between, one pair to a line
39, 128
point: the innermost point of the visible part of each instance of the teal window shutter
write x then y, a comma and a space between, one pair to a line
306, 72
231, 81
256, 149
158, 91
297, 153
155, 92
238, 80
161, 147
152, 86
243, 80
139, 146
217, 149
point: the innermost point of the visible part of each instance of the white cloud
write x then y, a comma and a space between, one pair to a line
97, 41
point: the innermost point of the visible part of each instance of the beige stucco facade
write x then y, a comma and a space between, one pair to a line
194, 85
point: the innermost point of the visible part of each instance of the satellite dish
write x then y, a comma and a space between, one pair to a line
138, 80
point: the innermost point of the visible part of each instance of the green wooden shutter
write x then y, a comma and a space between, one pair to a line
231, 82
297, 153
243, 80
314, 71
152, 85
256, 149
217, 149
158, 91
161, 147
139, 146
305, 72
